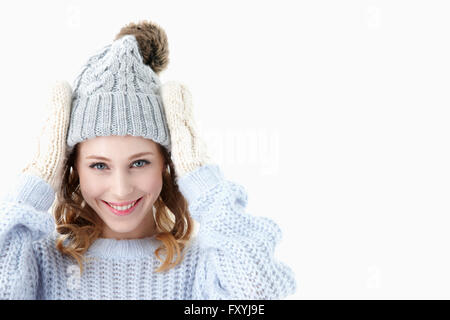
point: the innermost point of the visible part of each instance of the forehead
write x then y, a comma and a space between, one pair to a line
117, 145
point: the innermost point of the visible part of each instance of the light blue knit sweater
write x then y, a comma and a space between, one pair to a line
230, 258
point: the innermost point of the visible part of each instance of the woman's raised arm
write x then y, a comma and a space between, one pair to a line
236, 260
24, 216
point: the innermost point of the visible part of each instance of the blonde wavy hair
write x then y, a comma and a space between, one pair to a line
78, 225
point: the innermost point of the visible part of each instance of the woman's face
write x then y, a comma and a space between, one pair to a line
119, 177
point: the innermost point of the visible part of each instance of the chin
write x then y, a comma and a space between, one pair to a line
122, 227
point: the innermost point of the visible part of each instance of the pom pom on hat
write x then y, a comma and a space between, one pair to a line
152, 41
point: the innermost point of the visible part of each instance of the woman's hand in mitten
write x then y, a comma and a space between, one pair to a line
49, 158
189, 151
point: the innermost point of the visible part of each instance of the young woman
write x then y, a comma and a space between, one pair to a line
120, 159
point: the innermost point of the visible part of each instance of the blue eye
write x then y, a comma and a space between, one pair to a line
143, 161
94, 165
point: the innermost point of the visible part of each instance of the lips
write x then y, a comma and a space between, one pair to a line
123, 212
121, 204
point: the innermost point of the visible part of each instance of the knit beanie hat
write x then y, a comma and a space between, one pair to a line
117, 90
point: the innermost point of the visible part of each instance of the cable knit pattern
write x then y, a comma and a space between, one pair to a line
116, 94
189, 150
230, 258
47, 162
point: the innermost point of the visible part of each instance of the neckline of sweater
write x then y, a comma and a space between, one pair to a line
124, 248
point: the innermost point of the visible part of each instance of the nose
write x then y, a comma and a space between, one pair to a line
122, 185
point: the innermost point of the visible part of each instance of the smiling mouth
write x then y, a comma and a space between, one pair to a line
122, 207
125, 210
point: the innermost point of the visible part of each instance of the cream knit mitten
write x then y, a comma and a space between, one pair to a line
189, 150
49, 158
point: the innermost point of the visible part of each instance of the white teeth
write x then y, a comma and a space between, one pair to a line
124, 207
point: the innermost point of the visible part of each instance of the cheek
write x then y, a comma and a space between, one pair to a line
90, 191
151, 184
90, 188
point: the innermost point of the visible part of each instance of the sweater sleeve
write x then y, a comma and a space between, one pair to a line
23, 219
237, 249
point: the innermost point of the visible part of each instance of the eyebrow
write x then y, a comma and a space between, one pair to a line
132, 157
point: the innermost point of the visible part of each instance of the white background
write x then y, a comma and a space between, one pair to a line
334, 115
